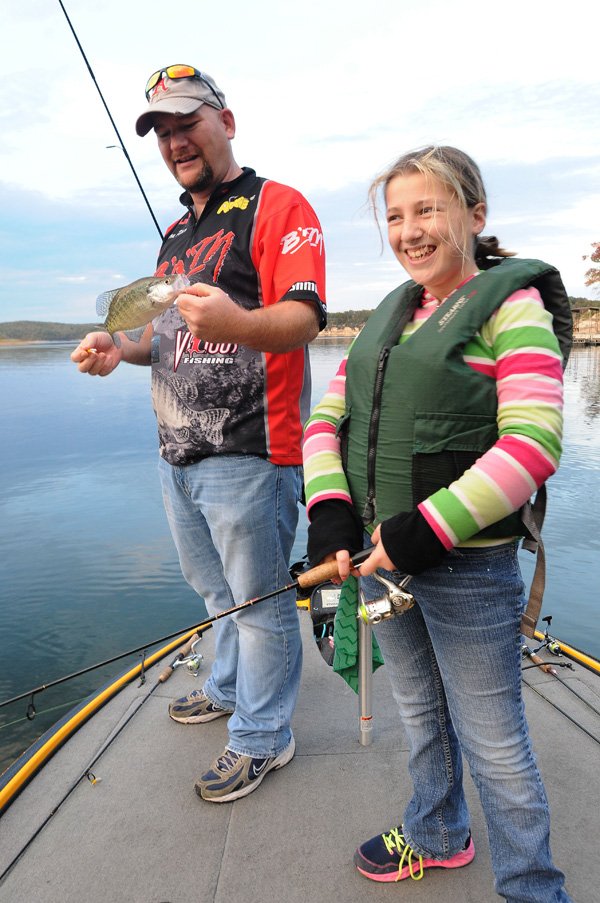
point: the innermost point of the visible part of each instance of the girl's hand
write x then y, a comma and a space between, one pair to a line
377, 559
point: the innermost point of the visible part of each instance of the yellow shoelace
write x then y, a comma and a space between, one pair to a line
395, 843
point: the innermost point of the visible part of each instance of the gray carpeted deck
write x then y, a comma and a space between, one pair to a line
141, 835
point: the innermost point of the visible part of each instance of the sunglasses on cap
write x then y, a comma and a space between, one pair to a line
175, 72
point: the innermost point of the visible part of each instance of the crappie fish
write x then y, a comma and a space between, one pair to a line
129, 309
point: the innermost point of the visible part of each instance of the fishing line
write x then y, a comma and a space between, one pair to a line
121, 144
53, 708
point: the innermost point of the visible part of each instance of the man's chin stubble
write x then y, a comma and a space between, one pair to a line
205, 181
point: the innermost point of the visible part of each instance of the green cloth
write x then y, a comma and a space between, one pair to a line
345, 636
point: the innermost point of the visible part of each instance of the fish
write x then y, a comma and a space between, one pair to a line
130, 308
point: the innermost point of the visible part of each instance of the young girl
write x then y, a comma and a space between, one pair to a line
440, 424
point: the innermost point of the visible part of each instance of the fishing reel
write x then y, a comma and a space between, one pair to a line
395, 601
193, 661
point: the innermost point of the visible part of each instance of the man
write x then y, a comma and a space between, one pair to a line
230, 388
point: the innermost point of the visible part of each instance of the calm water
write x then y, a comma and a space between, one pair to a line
88, 567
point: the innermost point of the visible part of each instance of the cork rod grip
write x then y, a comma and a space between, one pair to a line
323, 572
319, 574
543, 666
165, 675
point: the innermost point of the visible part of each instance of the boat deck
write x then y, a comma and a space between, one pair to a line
141, 835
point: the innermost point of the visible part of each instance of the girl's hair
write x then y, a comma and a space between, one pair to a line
460, 175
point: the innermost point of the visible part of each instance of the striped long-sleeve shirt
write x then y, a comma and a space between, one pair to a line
518, 348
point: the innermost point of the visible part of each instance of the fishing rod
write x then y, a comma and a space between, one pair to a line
108, 661
313, 577
549, 668
121, 144
86, 773
319, 574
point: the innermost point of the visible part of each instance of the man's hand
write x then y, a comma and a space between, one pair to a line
97, 354
212, 315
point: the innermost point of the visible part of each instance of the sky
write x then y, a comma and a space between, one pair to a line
326, 93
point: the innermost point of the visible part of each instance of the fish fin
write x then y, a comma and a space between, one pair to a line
103, 302
134, 335
116, 339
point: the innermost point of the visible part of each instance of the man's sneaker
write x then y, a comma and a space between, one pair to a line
195, 708
388, 857
232, 775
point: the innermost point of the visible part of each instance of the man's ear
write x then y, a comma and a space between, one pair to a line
228, 121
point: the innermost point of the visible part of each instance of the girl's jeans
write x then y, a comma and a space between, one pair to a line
455, 665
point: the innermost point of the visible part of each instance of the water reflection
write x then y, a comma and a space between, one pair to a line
88, 564
583, 374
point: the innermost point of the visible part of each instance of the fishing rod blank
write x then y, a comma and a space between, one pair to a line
121, 144
550, 668
319, 574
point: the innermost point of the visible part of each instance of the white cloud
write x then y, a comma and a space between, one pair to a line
325, 95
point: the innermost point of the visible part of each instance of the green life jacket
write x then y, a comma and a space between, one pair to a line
417, 416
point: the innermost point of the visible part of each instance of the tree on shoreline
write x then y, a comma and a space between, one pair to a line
592, 276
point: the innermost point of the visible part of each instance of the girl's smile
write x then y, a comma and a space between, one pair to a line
432, 236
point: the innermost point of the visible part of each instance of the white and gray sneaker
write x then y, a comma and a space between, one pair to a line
232, 775
195, 709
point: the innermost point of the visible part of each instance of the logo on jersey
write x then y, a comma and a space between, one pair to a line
304, 287
214, 248
240, 203
191, 350
293, 241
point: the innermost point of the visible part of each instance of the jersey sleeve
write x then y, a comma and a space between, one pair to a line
287, 249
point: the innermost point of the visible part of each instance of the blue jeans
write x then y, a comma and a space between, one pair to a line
233, 519
455, 665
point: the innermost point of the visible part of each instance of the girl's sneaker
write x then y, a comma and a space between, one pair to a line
388, 857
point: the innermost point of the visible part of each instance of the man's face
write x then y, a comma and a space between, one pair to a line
196, 148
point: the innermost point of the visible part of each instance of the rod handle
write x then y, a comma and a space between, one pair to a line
546, 667
165, 675
323, 572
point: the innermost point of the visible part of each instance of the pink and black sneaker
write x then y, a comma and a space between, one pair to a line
388, 857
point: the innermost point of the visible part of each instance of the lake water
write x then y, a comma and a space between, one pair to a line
88, 567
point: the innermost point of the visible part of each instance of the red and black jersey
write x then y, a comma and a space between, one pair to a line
261, 243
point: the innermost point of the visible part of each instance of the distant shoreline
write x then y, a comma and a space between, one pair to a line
11, 343
335, 332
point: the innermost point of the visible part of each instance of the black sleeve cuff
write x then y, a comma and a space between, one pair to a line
334, 525
411, 543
